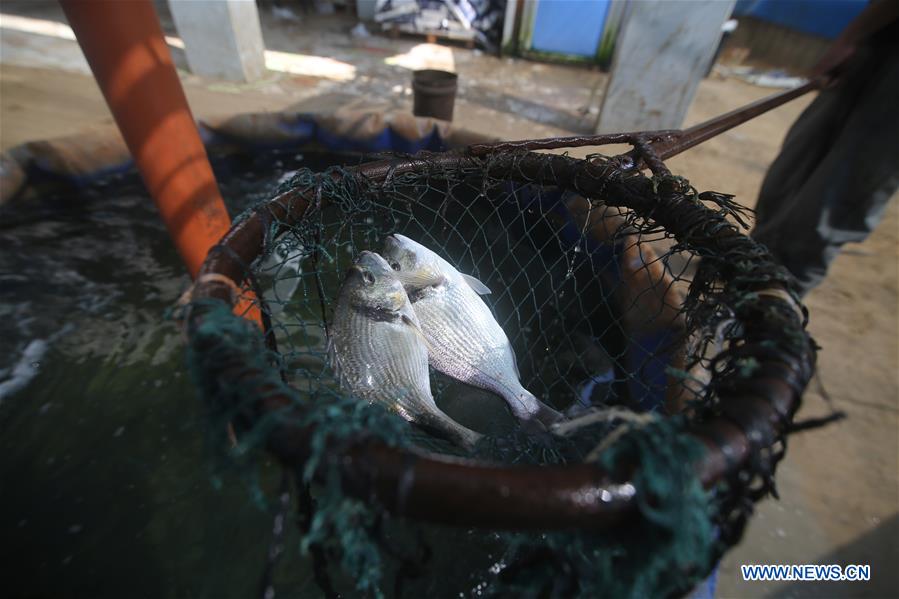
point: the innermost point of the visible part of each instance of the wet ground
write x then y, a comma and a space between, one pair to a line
839, 490
325, 71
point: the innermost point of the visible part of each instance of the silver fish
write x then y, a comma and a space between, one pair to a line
464, 339
378, 351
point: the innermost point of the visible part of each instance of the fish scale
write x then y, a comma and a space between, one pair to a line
464, 339
377, 349
453, 338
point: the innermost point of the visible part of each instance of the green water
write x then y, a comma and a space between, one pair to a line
105, 483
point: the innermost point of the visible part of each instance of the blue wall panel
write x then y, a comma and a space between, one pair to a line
569, 26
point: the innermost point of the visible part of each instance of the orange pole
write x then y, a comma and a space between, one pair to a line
125, 47
126, 50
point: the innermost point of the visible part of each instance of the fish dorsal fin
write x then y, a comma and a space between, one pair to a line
475, 284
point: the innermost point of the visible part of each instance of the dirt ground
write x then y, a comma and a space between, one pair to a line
838, 486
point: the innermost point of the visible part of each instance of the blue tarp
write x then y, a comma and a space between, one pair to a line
824, 18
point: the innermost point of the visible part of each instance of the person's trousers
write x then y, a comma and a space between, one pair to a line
838, 167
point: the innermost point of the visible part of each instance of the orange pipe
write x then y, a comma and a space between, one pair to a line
125, 47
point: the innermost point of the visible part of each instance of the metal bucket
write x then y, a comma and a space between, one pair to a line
434, 93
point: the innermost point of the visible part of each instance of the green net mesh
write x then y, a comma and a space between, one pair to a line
623, 308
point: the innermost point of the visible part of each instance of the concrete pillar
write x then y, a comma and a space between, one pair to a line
222, 38
507, 45
366, 9
662, 54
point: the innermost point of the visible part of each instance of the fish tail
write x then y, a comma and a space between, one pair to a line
528, 409
449, 429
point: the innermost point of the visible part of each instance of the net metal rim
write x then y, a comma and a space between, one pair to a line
473, 493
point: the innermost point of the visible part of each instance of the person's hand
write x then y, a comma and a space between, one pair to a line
829, 67
875, 16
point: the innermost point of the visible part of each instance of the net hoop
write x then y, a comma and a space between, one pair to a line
754, 415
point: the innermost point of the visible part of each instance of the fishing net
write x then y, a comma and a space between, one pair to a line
635, 305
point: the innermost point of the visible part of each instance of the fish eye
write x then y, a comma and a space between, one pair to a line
395, 265
368, 277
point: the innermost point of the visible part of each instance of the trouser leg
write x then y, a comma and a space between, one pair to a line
837, 170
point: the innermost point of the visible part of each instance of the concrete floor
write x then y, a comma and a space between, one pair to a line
838, 486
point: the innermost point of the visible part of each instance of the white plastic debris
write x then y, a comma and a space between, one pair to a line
285, 14
773, 78
360, 31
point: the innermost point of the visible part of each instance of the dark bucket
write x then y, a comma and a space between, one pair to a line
434, 93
